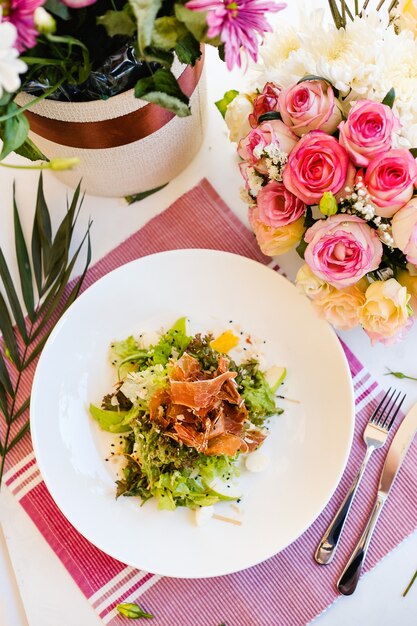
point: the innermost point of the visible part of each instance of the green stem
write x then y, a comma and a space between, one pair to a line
47, 93
399, 375
410, 584
41, 166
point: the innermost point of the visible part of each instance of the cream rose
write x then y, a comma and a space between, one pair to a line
236, 117
385, 316
310, 284
340, 307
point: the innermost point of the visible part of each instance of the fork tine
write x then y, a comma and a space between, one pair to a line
396, 412
384, 417
374, 415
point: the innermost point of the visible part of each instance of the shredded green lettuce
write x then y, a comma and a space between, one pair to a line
258, 395
112, 421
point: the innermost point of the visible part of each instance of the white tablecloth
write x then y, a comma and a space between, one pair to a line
50, 596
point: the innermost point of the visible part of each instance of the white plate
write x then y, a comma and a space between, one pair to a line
308, 444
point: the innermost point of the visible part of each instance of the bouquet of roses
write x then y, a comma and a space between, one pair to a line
327, 156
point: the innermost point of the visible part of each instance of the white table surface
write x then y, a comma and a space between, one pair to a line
50, 596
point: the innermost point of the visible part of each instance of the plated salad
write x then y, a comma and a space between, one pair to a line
185, 414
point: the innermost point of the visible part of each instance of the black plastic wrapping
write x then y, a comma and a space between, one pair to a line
118, 73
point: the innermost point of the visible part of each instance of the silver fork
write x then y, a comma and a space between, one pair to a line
374, 436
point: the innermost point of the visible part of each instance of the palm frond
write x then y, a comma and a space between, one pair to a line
50, 267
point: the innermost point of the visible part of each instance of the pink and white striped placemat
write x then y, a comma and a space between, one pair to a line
289, 589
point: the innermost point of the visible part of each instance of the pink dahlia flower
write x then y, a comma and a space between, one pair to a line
238, 23
21, 14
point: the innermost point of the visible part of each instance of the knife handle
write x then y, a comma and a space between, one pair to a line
350, 575
330, 540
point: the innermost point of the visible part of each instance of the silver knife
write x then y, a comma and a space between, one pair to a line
396, 453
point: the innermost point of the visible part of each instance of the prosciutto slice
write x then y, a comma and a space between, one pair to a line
199, 394
204, 410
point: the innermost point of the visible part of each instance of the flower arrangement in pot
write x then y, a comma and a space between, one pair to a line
113, 82
327, 143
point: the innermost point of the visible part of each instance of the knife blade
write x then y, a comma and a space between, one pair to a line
397, 451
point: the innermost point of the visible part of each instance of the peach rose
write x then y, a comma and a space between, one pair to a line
409, 281
404, 230
310, 105
385, 316
390, 180
340, 307
275, 241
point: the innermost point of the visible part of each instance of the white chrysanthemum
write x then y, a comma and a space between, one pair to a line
10, 65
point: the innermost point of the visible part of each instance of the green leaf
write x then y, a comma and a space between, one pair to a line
195, 21
153, 55
3, 405
188, 49
41, 237
137, 197
21, 409
12, 297
163, 89
60, 245
117, 23
389, 98
21, 433
5, 377
30, 151
23, 262
58, 8
269, 115
133, 611
301, 248
14, 131
166, 32
414, 152
145, 12
228, 97
6, 328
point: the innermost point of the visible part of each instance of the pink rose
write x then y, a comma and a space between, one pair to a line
310, 105
342, 249
277, 206
390, 180
251, 148
264, 103
368, 130
404, 230
317, 164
